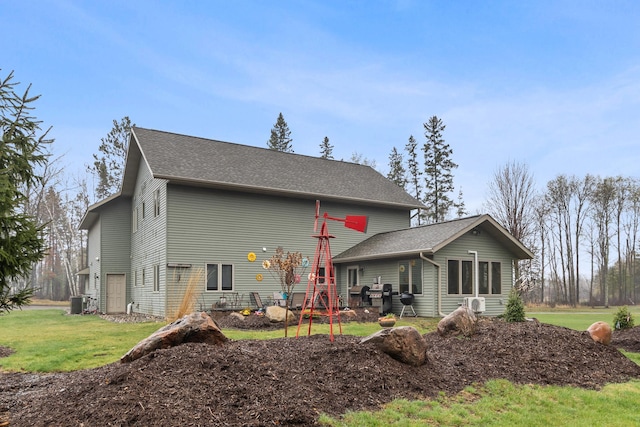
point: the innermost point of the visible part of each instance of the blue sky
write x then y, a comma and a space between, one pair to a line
553, 84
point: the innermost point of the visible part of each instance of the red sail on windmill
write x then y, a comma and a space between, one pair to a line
321, 294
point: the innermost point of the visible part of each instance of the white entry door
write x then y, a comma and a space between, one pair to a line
116, 293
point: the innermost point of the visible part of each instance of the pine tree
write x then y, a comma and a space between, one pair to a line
280, 139
437, 170
414, 173
397, 172
22, 153
109, 164
461, 209
326, 149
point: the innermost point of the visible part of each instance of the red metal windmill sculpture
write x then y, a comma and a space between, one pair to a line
321, 291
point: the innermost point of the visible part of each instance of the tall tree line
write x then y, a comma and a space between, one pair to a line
583, 231
430, 182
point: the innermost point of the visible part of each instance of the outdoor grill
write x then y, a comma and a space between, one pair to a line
359, 296
406, 299
381, 296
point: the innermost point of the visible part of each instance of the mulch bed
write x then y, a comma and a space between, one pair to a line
288, 381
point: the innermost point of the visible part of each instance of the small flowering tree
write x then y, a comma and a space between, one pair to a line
287, 269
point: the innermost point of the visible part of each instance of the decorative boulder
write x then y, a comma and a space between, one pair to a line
403, 343
460, 321
194, 327
236, 315
277, 314
600, 332
348, 314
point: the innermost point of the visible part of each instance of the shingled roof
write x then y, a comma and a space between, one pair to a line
428, 239
204, 162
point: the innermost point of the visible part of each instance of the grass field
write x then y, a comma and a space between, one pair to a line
579, 318
49, 341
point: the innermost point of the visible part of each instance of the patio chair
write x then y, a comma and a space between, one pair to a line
256, 300
297, 299
279, 300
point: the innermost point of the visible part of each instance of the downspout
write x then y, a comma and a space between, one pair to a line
439, 267
475, 270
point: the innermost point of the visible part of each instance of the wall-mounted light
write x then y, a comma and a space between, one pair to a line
97, 277
97, 258
264, 249
475, 232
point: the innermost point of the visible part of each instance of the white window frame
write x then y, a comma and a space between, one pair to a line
156, 203
134, 220
411, 264
156, 278
220, 279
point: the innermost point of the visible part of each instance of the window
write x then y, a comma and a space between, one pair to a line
410, 276
352, 276
143, 278
460, 277
156, 203
134, 220
156, 278
467, 277
135, 278
496, 278
219, 277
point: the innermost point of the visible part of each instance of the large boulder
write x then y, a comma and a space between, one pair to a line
600, 332
194, 327
277, 314
403, 343
460, 321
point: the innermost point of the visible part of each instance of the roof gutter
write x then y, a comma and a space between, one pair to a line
439, 267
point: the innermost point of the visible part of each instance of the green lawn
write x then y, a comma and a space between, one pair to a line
50, 340
579, 318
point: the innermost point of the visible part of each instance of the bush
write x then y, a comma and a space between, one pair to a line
623, 319
515, 307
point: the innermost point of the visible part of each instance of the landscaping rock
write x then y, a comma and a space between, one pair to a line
194, 327
403, 343
277, 314
236, 315
461, 321
600, 332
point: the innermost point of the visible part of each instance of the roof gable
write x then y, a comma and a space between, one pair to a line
203, 162
430, 239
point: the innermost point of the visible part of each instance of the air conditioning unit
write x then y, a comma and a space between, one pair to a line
475, 303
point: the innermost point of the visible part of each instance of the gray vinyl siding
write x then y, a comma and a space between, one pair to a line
488, 250
115, 249
148, 245
388, 271
426, 304
216, 226
92, 288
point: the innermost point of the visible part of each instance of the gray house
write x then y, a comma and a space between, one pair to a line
204, 213
439, 264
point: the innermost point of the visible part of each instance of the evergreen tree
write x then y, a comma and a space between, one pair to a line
437, 170
109, 164
397, 172
280, 139
22, 242
414, 173
326, 149
461, 209
361, 160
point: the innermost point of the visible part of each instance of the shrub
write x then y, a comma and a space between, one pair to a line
515, 307
623, 319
